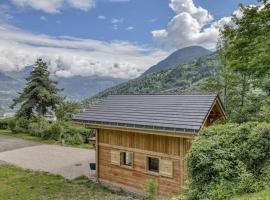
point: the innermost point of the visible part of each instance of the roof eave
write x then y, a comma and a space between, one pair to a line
179, 132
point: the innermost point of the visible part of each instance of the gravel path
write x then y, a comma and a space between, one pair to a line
9, 143
65, 161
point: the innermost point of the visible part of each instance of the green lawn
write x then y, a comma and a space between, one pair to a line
264, 195
38, 139
17, 184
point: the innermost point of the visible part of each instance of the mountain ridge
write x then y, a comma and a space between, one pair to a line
180, 56
178, 79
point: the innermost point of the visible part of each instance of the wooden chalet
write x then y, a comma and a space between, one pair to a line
142, 137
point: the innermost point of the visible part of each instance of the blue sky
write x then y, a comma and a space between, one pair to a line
147, 29
143, 15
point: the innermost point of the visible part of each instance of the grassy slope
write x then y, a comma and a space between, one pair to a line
39, 139
263, 195
17, 184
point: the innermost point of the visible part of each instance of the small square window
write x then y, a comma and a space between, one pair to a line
127, 158
153, 164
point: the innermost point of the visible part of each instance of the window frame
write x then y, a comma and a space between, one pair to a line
157, 173
122, 156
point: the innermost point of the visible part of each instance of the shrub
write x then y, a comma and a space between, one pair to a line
39, 128
4, 123
55, 131
21, 124
12, 125
76, 135
66, 132
228, 159
151, 188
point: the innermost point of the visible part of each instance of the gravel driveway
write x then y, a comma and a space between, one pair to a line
9, 143
65, 161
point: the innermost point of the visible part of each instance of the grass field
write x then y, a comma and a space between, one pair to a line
17, 184
264, 195
39, 139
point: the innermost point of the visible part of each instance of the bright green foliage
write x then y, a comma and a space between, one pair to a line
60, 131
244, 52
151, 189
229, 159
66, 110
40, 93
245, 42
38, 127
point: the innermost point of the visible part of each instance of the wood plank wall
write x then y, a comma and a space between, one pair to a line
142, 145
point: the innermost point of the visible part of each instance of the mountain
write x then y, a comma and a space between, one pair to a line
180, 78
75, 88
80, 87
5, 78
179, 57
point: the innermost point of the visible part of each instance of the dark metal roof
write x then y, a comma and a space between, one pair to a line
183, 112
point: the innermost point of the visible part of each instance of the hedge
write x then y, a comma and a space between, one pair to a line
229, 159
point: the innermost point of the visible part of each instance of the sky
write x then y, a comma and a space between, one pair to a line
108, 38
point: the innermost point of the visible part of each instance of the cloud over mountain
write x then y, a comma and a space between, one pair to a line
68, 56
190, 26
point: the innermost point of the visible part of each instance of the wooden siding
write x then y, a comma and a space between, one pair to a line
142, 145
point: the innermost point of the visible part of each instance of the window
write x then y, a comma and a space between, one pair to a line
153, 164
127, 159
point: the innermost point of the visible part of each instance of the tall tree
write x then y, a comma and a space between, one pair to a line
244, 49
40, 94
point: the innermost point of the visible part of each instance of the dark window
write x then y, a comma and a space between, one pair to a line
127, 158
153, 164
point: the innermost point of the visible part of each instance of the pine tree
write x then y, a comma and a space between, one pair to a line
40, 94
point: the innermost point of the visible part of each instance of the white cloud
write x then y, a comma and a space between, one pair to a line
43, 18
190, 26
55, 6
68, 56
117, 21
129, 28
102, 17
84, 5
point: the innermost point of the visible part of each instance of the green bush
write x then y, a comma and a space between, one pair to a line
55, 131
21, 124
4, 123
76, 135
151, 189
39, 128
228, 159
12, 125
60, 131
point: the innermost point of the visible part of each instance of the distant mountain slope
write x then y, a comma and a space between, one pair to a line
80, 87
75, 87
180, 56
177, 79
5, 78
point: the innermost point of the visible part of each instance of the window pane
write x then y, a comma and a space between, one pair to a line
153, 164
127, 158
